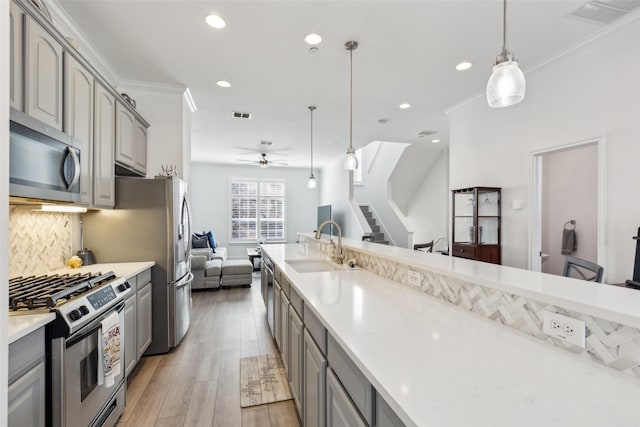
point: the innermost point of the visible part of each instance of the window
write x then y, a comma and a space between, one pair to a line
257, 210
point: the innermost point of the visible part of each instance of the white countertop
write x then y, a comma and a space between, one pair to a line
438, 365
22, 325
607, 302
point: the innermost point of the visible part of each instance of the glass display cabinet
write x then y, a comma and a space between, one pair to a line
476, 224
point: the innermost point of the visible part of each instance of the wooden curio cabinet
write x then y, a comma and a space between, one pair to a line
476, 224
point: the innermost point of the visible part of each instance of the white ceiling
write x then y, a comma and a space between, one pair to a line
408, 51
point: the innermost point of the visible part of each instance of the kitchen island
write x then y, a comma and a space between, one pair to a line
436, 364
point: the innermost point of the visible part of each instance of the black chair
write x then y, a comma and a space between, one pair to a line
579, 267
424, 247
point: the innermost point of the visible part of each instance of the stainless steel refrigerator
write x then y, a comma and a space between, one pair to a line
151, 222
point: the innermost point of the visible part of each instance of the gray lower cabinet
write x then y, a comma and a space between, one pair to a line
277, 300
314, 383
25, 404
341, 412
385, 417
284, 331
27, 381
144, 316
295, 343
130, 333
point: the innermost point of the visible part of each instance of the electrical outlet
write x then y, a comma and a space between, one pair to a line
564, 327
413, 278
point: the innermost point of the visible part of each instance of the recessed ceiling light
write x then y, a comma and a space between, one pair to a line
464, 66
313, 39
435, 141
404, 106
215, 21
223, 83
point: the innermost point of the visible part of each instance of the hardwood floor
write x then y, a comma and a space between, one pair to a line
198, 383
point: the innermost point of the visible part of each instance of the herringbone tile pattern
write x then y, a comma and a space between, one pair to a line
612, 344
38, 241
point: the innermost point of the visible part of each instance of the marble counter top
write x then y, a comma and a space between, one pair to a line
121, 269
438, 365
607, 302
22, 325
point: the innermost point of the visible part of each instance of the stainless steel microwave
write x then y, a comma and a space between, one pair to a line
43, 163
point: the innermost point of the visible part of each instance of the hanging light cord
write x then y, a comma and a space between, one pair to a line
504, 29
311, 110
351, 100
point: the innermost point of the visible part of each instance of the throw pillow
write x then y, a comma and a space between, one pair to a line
198, 242
212, 240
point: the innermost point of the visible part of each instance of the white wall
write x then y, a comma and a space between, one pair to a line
4, 203
381, 160
569, 191
409, 173
186, 140
428, 210
590, 92
335, 186
210, 200
163, 108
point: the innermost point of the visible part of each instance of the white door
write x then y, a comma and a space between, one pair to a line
567, 194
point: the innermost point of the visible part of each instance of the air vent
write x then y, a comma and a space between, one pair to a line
604, 12
266, 143
241, 115
427, 133
383, 121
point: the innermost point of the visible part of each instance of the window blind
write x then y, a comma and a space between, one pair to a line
257, 210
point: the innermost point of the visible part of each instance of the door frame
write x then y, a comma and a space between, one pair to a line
535, 237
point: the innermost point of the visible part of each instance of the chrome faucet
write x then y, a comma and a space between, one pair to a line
340, 254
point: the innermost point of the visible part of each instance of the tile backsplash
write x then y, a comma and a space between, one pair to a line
608, 343
38, 241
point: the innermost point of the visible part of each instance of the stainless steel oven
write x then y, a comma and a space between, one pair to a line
80, 395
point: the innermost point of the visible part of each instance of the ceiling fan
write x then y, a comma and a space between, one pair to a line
263, 162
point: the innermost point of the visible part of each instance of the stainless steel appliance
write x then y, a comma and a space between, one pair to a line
78, 393
151, 222
43, 163
266, 282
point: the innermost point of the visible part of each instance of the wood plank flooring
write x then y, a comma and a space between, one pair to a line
198, 383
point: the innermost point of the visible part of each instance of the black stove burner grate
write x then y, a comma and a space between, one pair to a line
48, 291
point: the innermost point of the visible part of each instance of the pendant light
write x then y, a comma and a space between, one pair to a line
311, 182
351, 162
507, 85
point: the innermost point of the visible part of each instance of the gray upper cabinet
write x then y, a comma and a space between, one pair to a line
314, 383
144, 313
16, 24
104, 140
125, 140
340, 411
43, 90
78, 120
140, 147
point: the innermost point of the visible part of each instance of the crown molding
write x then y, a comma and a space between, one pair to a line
177, 89
560, 55
66, 25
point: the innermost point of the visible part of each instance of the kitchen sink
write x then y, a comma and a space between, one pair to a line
314, 265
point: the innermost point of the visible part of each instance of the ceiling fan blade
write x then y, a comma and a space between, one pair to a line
247, 161
278, 162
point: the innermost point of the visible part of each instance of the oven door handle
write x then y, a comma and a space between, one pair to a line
90, 328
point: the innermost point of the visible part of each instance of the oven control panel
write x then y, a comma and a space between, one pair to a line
101, 297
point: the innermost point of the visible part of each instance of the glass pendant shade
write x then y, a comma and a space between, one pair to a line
506, 86
351, 161
311, 182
